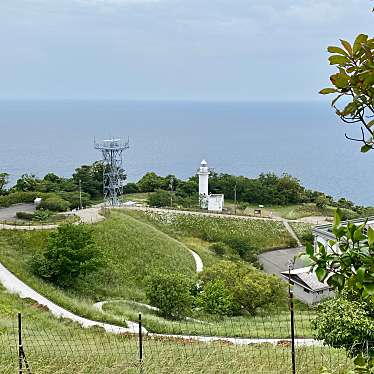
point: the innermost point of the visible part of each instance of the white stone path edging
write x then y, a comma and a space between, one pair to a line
198, 262
14, 285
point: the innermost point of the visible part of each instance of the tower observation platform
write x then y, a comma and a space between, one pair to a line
113, 172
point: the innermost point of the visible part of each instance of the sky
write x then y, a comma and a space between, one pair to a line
239, 50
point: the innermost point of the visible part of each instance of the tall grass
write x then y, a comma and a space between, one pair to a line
58, 346
262, 234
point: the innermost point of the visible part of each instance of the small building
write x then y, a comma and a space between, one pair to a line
215, 202
306, 286
37, 201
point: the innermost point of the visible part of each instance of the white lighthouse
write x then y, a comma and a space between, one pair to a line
203, 174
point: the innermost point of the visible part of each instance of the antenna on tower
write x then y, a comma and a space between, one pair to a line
113, 173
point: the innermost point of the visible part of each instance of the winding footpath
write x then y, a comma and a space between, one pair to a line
14, 285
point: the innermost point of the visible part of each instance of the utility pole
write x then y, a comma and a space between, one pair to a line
171, 191
235, 197
80, 194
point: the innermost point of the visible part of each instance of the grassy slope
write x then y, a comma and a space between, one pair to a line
260, 233
302, 229
61, 347
132, 250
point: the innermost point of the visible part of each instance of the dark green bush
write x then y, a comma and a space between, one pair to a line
171, 293
54, 204
17, 198
251, 288
346, 323
159, 198
42, 215
216, 298
244, 249
73, 199
70, 254
219, 248
28, 216
348, 214
307, 237
130, 188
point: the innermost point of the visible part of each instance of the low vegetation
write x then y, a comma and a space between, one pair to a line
59, 346
303, 231
245, 236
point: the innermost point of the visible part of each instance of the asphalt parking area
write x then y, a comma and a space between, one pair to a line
274, 262
9, 213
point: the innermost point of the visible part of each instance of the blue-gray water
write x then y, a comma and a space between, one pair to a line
303, 139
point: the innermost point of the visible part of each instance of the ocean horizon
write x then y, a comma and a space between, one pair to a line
304, 139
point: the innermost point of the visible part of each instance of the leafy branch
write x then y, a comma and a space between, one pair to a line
353, 85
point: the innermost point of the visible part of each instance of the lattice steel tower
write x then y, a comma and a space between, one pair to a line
114, 174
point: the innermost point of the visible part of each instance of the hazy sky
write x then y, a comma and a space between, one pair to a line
173, 49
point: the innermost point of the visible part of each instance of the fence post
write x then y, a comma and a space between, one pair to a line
20, 357
140, 343
292, 315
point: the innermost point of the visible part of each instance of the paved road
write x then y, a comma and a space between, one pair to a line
9, 213
274, 262
89, 216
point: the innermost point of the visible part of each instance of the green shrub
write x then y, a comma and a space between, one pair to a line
250, 287
42, 215
244, 248
171, 293
216, 298
322, 201
54, 204
307, 237
293, 243
159, 198
188, 201
345, 323
219, 248
17, 198
73, 198
130, 188
25, 215
348, 214
70, 254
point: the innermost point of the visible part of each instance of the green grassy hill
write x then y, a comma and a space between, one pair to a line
263, 234
131, 249
135, 244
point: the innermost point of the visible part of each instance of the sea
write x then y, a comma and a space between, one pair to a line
304, 139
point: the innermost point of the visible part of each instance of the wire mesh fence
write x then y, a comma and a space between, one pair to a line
263, 346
